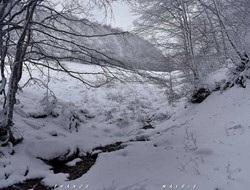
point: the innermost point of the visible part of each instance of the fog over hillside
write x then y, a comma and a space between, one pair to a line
102, 44
132, 50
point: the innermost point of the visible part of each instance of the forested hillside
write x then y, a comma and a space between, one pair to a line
105, 45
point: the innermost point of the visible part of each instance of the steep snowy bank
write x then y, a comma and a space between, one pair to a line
202, 146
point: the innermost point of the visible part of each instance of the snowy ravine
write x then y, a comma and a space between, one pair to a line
191, 146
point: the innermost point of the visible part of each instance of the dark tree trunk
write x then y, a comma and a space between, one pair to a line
16, 75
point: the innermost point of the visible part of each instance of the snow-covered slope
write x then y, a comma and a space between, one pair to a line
202, 146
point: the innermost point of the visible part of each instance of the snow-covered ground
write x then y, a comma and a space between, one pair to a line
192, 146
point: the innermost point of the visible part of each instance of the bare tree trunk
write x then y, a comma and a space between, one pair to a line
16, 73
224, 31
188, 40
3, 47
53, 30
3, 51
217, 46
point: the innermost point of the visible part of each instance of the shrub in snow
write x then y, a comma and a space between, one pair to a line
109, 114
72, 117
115, 96
49, 103
172, 96
137, 104
87, 114
190, 140
5, 152
123, 121
161, 116
74, 121
240, 72
192, 163
231, 172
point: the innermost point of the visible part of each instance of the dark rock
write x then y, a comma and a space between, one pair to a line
200, 95
111, 147
79, 169
38, 116
59, 166
28, 184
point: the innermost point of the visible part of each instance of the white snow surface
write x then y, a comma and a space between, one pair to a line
199, 146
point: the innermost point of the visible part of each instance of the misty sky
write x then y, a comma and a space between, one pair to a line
122, 17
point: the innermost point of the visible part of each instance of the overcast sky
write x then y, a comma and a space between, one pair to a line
122, 16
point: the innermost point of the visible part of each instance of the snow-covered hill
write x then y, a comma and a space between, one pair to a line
95, 43
199, 146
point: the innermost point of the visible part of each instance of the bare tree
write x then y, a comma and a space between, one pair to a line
170, 24
192, 32
44, 33
232, 17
